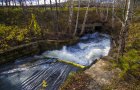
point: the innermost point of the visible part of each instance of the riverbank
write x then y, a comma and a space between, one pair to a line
34, 48
106, 74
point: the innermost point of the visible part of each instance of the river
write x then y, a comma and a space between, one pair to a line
31, 73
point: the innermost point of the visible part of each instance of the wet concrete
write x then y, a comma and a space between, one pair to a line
29, 73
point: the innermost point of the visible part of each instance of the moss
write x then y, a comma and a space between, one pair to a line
78, 81
109, 68
2, 61
136, 44
127, 82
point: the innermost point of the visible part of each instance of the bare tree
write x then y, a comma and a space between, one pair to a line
20, 2
59, 15
15, 3
96, 7
9, 2
85, 18
113, 19
101, 13
125, 28
2, 2
56, 16
70, 17
77, 18
107, 10
6, 1
52, 16
45, 4
104, 6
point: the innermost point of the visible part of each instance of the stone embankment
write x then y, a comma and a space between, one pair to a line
103, 73
34, 48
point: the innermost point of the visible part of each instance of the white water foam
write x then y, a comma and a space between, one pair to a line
91, 47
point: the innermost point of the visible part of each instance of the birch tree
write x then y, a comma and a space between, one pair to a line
59, 15
56, 16
113, 19
101, 13
15, 2
6, 2
85, 18
125, 28
38, 2
52, 16
96, 7
70, 17
103, 6
77, 18
107, 11
2, 2
9, 3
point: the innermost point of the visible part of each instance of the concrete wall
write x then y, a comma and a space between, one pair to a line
33, 49
90, 27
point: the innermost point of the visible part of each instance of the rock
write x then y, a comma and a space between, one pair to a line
94, 86
103, 72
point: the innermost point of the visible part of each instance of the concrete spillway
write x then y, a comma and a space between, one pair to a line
31, 73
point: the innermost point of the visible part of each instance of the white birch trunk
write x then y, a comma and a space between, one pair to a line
125, 29
96, 8
2, 2
113, 19
77, 18
56, 17
101, 13
52, 16
70, 16
107, 11
85, 18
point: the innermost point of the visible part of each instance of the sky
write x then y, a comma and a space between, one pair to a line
34, 2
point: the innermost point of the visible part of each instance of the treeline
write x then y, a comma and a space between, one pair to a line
46, 3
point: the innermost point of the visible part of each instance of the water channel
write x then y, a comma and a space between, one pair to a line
29, 73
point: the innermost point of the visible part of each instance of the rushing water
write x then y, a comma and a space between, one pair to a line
90, 47
28, 73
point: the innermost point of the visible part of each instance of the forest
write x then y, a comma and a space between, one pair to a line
26, 21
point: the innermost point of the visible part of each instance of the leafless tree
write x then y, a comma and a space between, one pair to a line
101, 11
125, 28
113, 19
70, 17
77, 18
2, 2
107, 11
52, 16
15, 2
85, 18
56, 16
38, 2
6, 2
96, 7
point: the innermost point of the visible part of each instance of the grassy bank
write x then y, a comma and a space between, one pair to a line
19, 26
77, 81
